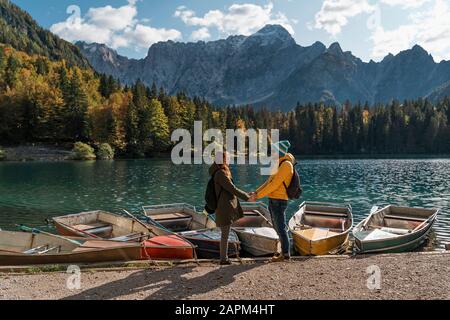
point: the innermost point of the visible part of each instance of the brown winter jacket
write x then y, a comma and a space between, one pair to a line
228, 206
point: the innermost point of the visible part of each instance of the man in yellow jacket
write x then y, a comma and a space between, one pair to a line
276, 189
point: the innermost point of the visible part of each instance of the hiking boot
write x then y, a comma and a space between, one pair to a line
277, 258
225, 263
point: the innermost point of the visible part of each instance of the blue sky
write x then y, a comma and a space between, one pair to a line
370, 29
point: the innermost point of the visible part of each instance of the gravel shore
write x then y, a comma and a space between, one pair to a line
36, 153
403, 276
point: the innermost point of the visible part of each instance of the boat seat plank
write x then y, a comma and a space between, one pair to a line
129, 237
332, 214
90, 226
316, 233
95, 244
171, 216
101, 230
252, 212
390, 216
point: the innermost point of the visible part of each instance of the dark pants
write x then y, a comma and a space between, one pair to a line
224, 242
277, 210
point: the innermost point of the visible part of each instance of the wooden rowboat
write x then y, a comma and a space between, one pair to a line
255, 230
256, 214
158, 243
197, 228
321, 228
394, 229
102, 224
178, 217
207, 242
20, 248
258, 242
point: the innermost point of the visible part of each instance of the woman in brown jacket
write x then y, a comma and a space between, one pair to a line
228, 206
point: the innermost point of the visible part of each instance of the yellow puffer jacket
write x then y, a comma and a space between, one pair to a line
274, 187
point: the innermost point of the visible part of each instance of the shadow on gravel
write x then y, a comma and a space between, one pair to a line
167, 284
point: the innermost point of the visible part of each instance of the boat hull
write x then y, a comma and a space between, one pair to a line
168, 248
397, 245
207, 243
178, 217
321, 228
69, 232
418, 221
257, 245
308, 247
103, 225
158, 248
128, 253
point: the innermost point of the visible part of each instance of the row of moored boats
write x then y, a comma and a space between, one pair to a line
179, 232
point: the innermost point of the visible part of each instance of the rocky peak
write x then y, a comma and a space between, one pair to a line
419, 49
99, 50
274, 30
335, 49
416, 54
92, 47
319, 45
272, 34
269, 68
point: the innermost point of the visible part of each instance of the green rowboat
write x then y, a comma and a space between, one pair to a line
394, 229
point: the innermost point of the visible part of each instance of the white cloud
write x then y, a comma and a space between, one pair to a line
243, 19
113, 18
115, 27
335, 14
78, 29
201, 34
391, 41
407, 4
145, 36
429, 28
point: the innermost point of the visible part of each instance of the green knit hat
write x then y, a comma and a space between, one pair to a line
282, 147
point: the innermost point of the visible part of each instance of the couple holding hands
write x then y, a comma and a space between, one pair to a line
275, 188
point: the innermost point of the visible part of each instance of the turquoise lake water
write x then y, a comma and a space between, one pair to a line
30, 192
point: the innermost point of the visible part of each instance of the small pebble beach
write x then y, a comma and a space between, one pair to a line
401, 276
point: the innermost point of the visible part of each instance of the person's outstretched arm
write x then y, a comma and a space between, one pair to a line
275, 181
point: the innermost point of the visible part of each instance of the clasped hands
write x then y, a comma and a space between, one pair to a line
253, 197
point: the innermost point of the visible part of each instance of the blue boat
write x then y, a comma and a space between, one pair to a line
207, 242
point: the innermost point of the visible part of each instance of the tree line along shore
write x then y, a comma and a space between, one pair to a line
54, 102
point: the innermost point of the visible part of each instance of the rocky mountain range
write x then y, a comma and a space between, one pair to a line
270, 69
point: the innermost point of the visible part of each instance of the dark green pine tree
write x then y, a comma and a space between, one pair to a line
107, 85
42, 66
139, 91
31, 116
153, 92
132, 130
76, 105
12, 67
158, 126
336, 148
2, 59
